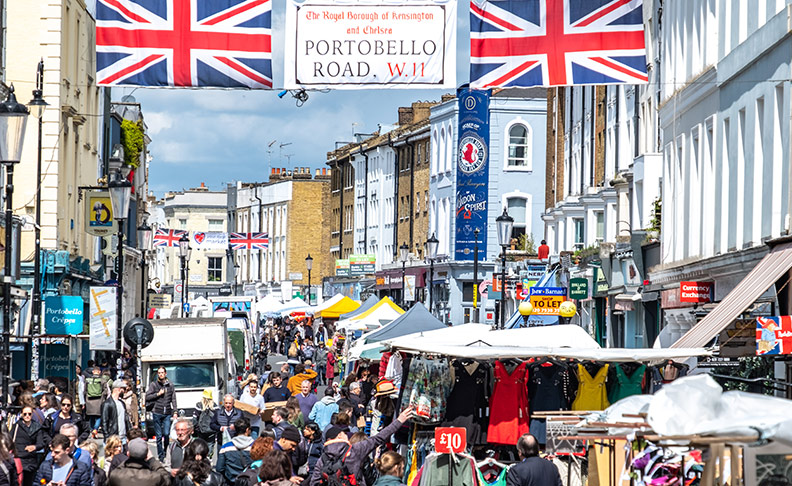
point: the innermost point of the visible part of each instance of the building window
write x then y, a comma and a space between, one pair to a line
215, 271
216, 225
518, 147
516, 210
600, 219
580, 228
182, 224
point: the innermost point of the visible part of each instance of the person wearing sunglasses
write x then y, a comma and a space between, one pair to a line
67, 415
28, 437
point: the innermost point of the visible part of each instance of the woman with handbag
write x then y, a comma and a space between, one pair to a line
28, 436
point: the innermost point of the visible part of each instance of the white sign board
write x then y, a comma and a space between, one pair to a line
409, 288
102, 321
209, 240
353, 45
178, 288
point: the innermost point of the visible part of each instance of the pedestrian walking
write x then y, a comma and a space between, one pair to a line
95, 394
224, 418
280, 420
99, 474
296, 417
78, 454
8, 471
206, 410
390, 466
323, 410
276, 470
234, 455
28, 437
60, 468
130, 399
260, 448
78, 389
330, 367
121, 457
67, 415
140, 469
278, 391
161, 400
115, 419
532, 470
184, 437
311, 447
338, 449
8, 446
196, 470
113, 447
306, 398
253, 398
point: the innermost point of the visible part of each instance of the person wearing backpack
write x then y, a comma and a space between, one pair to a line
161, 398
341, 462
203, 426
95, 395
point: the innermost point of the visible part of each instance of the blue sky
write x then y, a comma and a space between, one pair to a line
220, 136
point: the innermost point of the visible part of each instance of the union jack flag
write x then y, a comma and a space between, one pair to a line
248, 241
556, 43
192, 43
167, 237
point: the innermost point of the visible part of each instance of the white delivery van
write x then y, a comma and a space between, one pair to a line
241, 344
196, 354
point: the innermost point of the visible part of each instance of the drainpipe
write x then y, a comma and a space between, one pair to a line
365, 199
412, 188
395, 196
341, 212
261, 230
616, 135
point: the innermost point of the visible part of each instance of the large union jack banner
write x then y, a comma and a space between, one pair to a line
556, 42
188, 43
248, 241
167, 237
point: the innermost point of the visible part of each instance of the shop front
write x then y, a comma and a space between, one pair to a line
389, 284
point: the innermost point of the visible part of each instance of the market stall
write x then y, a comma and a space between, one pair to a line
328, 303
416, 320
368, 304
342, 306
381, 313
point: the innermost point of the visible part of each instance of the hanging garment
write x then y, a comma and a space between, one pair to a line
435, 470
547, 390
508, 405
426, 388
499, 480
591, 394
468, 401
627, 386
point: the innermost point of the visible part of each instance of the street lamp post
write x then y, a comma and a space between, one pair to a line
120, 192
144, 240
309, 266
504, 223
431, 254
236, 280
37, 106
184, 246
13, 120
404, 251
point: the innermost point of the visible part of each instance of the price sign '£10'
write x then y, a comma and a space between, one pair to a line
450, 439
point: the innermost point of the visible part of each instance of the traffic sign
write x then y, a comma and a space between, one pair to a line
186, 307
450, 439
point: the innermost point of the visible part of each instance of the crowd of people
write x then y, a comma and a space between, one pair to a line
300, 427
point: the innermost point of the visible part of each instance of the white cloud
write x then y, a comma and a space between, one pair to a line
157, 122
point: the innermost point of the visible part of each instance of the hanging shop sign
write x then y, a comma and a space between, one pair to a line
773, 335
160, 301
349, 45
601, 282
209, 240
578, 288
450, 440
546, 301
696, 292
102, 322
409, 288
535, 272
99, 214
472, 173
362, 264
342, 267
738, 339
63, 314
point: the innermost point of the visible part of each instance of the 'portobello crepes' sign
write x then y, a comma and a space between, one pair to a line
347, 45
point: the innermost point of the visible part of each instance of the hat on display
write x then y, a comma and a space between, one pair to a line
385, 387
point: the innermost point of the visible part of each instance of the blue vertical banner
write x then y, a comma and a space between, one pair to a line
472, 181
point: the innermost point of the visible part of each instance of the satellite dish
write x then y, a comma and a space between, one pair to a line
131, 332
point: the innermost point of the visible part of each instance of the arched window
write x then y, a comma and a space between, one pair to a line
519, 147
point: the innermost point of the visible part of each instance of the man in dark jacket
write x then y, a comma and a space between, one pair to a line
278, 392
234, 456
61, 467
115, 419
161, 400
140, 469
533, 470
337, 442
225, 417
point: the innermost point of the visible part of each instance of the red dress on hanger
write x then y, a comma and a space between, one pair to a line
508, 405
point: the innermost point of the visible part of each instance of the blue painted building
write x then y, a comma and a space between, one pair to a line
516, 181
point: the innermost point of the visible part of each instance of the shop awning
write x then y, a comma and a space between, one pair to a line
772, 267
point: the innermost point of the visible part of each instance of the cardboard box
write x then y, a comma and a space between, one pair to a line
269, 408
245, 407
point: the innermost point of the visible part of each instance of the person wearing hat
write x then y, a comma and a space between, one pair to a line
115, 419
140, 469
323, 410
206, 410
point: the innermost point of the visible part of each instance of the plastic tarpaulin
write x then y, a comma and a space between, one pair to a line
267, 304
344, 305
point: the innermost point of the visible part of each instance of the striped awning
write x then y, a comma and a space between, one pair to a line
772, 267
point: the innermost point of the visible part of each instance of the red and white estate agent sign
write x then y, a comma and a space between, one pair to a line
697, 292
349, 45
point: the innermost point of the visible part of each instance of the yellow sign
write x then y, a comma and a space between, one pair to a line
546, 305
99, 214
159, 301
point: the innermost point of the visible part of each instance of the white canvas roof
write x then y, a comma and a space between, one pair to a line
328, 303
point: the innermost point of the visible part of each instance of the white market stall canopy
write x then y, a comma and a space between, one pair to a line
477, 341
267, 304
328, 303
294, 305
